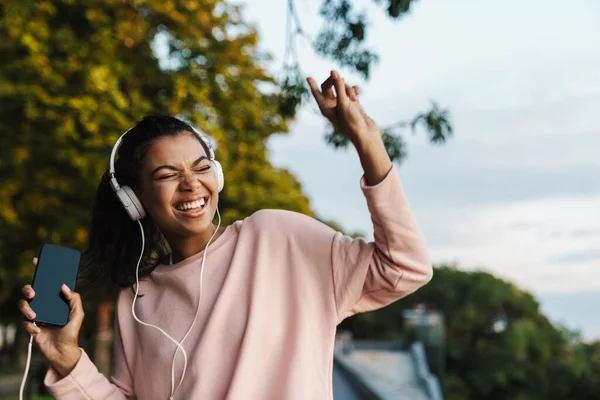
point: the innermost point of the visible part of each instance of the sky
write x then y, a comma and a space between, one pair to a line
515, 191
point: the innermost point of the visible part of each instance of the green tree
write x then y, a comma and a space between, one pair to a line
75, 75
590, 377
499, 345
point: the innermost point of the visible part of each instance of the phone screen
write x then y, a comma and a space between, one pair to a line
56, 265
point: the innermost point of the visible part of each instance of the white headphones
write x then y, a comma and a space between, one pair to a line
127, 197
136, 211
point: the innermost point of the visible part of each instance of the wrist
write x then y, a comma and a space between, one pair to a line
368, 141
373, 157
66, 361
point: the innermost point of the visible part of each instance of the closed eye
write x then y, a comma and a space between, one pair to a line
203, 169
163, 177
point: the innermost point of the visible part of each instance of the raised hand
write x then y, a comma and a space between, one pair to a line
59, 345
343, 109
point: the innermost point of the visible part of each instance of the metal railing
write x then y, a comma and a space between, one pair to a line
430, 382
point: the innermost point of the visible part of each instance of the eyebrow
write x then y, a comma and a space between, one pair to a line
173, 168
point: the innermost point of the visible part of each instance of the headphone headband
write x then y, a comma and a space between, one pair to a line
113, 153
204, 139
111, 167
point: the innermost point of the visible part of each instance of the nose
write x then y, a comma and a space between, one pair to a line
190, 182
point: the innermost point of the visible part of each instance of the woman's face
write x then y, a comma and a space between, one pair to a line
178, 186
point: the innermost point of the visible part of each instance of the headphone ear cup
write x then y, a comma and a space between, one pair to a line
131, 203
218, 175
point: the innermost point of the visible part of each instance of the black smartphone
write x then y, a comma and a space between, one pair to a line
56, 265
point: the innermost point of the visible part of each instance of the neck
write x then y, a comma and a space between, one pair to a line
184, 247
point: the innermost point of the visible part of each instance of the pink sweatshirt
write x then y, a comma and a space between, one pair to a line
275, 287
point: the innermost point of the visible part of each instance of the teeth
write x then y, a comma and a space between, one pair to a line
191, 205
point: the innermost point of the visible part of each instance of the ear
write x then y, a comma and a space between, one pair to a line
131, 203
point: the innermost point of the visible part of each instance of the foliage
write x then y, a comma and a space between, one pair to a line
435, 122
77, 74
343, 35
528, 358
343, 40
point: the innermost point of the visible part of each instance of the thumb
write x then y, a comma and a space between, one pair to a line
315, 91
76, 314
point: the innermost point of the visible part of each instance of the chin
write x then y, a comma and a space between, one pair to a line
195, 226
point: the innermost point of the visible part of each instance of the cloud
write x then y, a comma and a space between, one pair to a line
585, 233
517, 242
592, 254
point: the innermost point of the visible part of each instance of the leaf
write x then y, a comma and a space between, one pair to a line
394, 146
336, 138
436, 123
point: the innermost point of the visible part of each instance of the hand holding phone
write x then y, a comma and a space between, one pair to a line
58, 344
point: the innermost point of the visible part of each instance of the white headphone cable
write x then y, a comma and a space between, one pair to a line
137, 287
197, 309
26, 367
178, 344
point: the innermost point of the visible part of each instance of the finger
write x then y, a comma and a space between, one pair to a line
356, 90
315, 90
31, 328
25, 309
28, 292
327, 86
340, 89
35, 261
76, 315
350, 93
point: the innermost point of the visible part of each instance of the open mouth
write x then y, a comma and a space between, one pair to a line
192, 207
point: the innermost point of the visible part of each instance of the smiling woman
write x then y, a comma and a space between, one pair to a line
166, 165
277, 282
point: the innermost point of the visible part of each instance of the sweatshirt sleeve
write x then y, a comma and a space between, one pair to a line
371, 275
85, 382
